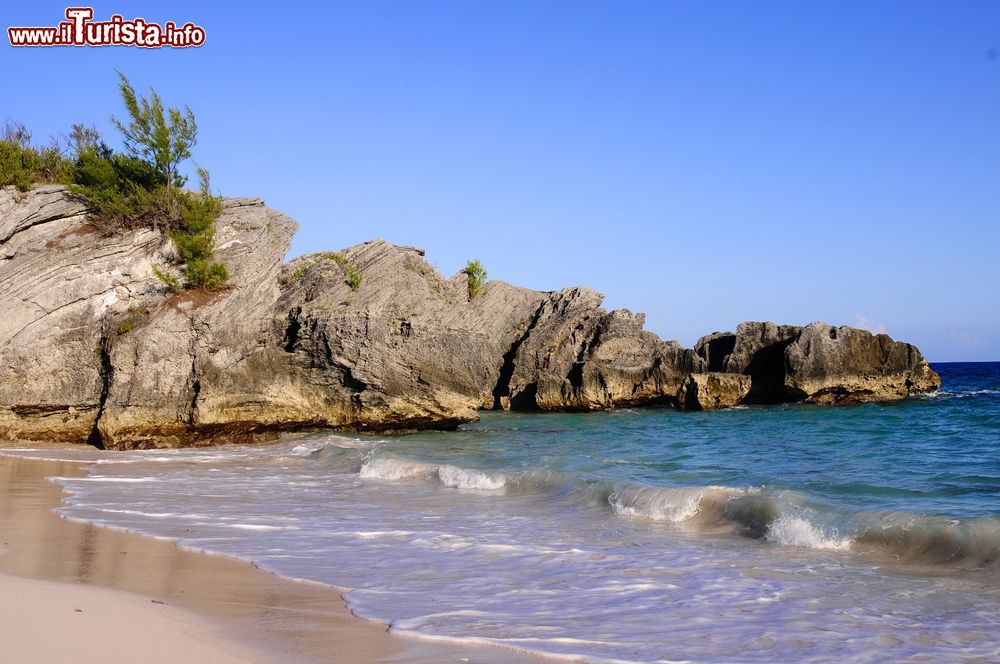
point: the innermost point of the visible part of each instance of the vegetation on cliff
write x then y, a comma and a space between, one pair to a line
476, 273
22, 165
140, 188
351, 276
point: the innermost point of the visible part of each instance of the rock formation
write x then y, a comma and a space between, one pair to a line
407, 349
94, 347
713, 391
837, 365
575, 355
818, 363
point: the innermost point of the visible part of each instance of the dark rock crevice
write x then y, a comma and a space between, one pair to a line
767, 371
715, 349
107, 374
501, 391
349, 380
292, 329
195, 391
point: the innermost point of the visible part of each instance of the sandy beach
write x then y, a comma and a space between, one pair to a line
47, 621
75, 592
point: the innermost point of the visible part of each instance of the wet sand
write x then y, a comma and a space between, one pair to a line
185, 606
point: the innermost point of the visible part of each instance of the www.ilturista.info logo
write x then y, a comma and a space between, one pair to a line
81, 30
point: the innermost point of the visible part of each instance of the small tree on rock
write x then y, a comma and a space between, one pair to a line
476, 274
162, 137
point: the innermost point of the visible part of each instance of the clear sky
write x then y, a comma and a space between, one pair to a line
702, 162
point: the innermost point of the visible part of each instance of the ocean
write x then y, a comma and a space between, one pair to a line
759, 534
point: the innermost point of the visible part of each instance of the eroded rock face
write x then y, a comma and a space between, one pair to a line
195, 367
61, 286
713, 391
408, 348
715, 349
412, 341
840, 365
95, 348
578, 356
818, 363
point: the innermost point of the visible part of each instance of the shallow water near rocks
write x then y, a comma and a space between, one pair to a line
791, 533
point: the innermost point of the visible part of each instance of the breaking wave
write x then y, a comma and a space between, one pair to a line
776, 517
668, 504
388, 468
932, 540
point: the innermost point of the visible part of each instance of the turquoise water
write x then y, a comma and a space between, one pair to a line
791, 533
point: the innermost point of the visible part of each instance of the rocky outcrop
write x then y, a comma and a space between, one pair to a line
408, 348
839, 365
818, 363
95, 348
758, 352
413, 342
191, 367
575, 355
713, 391
61, 286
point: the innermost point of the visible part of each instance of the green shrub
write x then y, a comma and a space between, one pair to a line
298, 273
14, 169
203, 273
49, 165
353, 277
476, 274
123, 192
24, 166
125, 326
172, 282
135, 190
195, 237
95, 170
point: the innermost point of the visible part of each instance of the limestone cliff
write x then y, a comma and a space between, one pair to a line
94, 347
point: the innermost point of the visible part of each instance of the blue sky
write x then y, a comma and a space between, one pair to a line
702, 162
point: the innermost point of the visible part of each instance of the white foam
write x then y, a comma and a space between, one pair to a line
394, 469
460, 478
972, 393
388, 468
152, 515
955, 394
306, 450
114, 480
663, 503
259, 527
791, 530
348, 443
378, 534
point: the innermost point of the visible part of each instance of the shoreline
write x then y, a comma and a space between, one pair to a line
224, 609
